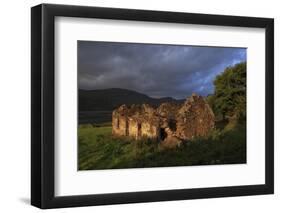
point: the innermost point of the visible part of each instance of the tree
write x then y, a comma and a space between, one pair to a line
229, 99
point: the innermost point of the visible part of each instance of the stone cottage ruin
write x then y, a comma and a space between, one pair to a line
170, 123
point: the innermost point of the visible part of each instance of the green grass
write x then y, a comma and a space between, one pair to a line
98, 149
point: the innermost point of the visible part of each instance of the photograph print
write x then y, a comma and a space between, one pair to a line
160, 105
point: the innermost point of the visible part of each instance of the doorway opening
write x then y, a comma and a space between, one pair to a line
139, 130
163, 134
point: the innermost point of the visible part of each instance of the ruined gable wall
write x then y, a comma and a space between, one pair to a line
195, 118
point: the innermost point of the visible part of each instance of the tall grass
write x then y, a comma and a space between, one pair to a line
98, 149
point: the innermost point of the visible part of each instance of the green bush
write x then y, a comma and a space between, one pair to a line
229, 98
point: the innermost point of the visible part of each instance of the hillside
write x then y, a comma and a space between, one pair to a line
109, 99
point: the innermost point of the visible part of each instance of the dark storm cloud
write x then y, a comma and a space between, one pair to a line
155, 70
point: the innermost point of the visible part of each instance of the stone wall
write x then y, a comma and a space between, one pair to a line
149, 130
195, 118
171, 123
133, 128
120, 122
119, 125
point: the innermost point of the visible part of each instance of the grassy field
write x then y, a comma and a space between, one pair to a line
98, 149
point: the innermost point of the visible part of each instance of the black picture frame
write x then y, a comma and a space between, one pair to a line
43, 117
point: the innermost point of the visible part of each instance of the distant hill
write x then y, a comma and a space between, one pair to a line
109, 99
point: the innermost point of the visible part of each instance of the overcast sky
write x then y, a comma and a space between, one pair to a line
155, 70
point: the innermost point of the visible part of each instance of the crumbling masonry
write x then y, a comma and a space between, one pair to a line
170, 123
